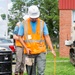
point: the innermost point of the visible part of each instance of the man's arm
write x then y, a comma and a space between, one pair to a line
15, 37
23, 43
48, 41
20, 35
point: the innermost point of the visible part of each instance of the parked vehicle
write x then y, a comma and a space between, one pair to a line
72, 53
7, 44
71, 44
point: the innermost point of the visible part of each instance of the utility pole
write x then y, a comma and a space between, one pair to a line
7, 19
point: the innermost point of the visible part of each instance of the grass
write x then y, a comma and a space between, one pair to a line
63, 65
62, 68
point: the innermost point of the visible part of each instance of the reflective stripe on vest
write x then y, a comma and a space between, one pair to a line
25, 28
41, 29
29, 41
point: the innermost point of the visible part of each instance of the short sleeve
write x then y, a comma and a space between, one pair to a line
21, 30
16, 29
45, 29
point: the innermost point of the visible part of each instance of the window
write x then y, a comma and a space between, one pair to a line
73, 16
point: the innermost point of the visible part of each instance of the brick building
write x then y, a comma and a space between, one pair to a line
66, 23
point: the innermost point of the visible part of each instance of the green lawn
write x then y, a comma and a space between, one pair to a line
63, 66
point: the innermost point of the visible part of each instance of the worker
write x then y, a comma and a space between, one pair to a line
35, 34
20, 58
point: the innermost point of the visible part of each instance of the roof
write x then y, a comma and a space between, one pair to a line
67, 4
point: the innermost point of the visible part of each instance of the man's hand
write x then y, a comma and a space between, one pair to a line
53, 52
28, 51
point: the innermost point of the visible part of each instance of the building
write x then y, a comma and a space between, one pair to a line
66, 25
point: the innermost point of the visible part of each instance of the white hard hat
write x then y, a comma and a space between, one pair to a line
26, 17
33, 11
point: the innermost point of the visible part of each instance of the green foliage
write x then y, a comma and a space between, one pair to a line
49, 13
13, 0
16, 13
3, 16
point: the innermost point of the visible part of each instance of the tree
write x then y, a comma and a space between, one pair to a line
49, 13
49, 10
3, 16
16, 13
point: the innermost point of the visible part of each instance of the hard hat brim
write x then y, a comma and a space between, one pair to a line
35, 16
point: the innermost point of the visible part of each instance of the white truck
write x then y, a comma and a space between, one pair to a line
71, 44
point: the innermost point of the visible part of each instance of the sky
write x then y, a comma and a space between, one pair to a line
4, 6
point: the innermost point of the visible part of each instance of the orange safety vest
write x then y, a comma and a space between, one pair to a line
34, 41
17, 43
